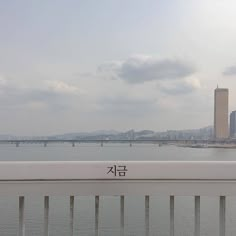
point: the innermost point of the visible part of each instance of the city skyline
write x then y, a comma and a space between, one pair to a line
84, 66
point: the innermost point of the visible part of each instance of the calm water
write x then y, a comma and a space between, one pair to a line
109, 213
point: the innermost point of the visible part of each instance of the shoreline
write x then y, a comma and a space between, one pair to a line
226, 146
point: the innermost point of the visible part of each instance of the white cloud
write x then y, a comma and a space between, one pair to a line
62, 87
193, 83
184, 86
51, 95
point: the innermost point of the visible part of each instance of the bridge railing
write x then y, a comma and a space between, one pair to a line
119, 178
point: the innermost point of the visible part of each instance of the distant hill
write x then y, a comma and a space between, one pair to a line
203, 133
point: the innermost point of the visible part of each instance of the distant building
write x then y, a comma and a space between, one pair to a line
221, 126
233, 124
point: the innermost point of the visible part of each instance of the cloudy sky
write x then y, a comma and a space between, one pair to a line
84, 65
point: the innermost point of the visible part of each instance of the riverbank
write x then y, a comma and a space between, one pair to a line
228, 146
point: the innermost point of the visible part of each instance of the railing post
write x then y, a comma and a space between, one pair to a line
72, 215
147, 215
46, 215
96, 215
172, 221
21, 230
122, 215
197, 216
222, 216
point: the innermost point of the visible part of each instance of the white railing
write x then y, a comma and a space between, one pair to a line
122, 178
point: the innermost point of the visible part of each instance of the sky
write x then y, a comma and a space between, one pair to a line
85, 65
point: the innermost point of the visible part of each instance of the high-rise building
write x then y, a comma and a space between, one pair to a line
221, 126
233, 124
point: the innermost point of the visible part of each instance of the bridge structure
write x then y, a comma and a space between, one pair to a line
73, 142
26, 180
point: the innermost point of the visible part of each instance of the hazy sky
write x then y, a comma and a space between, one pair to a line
88, 65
